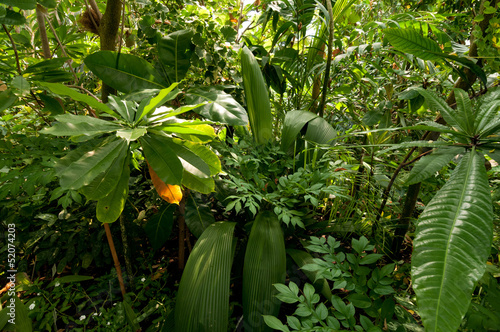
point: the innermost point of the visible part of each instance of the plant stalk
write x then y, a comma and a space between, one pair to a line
115, 258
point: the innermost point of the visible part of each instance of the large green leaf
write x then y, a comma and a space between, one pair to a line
159, 227
202, 152
79, 125
257, 97
487, 113
411, 41
203, 297
111, 206
62, 90
162, 159
83, 171
22, 323
265, 265
105, 182
221, 107
452, 243
12, 18
293, 124
464, 110
124, 72
198, 215
175, 52
191, 162
320, 131
429, 165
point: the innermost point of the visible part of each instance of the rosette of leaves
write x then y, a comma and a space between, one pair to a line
99, 168
454, 233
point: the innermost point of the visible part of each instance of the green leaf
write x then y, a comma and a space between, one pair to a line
302, 258
105, 182
221, 107
7, 99
464, 110
62, 90
68, 279
124, 72
487, 113
131, 134
370, 259
320, 131
437, 104
21, 4
80, 125
125, 108
151, 104
51, 104
293, 124
111, 206
191, 162
131, 316
198, 215
12, 18
429, 165
265, 265
203, 298
451, 245
201, 185
81, 172
162, 159
159, 227
175, 52
257, 98
275, 323
360, 300
46, 65
411, 41
22, 321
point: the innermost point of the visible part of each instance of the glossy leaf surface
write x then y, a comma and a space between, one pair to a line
452, 243
221, 107
124, 72
175, 54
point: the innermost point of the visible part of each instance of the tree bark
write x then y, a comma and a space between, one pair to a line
43, 31
108, 31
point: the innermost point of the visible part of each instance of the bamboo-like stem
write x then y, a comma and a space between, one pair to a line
43, 31
115, 258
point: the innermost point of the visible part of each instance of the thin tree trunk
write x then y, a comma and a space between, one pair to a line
43, 31
126, 251
326, 79
108, 31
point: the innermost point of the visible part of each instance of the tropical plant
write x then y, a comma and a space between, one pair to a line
454, 233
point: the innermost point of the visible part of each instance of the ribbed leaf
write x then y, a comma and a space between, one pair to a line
302, 258
257, 97
452, 243
429, 165
464, 110
411, 41
124, 72
320, 131
202, 185
435, 103
150, 104
203, 297
487, 116
265, 265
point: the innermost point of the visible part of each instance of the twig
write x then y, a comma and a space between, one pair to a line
14, 47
